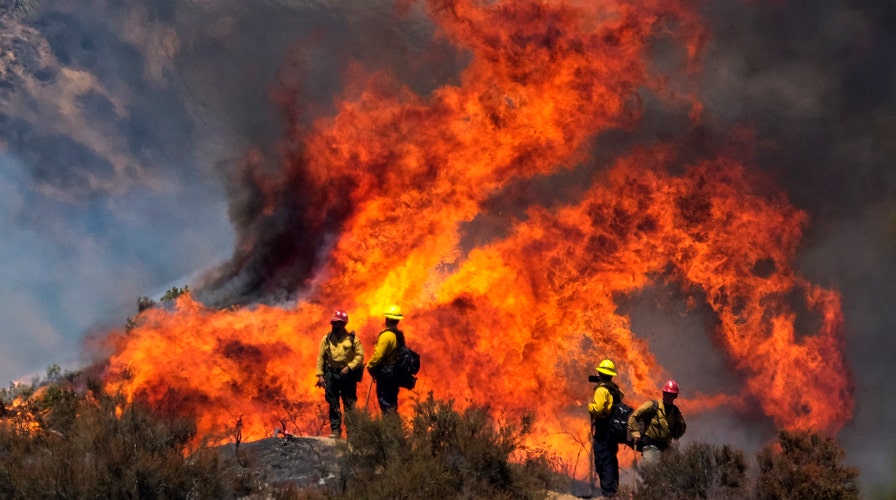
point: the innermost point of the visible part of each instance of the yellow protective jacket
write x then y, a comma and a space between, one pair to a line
338, 351
661, 425
600, 406
384, 350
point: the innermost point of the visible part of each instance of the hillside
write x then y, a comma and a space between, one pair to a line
68, 439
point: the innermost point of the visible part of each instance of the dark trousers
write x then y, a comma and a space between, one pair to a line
338, 387
606, 465
387, 394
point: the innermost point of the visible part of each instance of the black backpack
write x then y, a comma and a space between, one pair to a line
618, 421
407, 363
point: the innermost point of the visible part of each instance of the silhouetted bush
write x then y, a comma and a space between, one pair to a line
698, 471
805, 465
443, 453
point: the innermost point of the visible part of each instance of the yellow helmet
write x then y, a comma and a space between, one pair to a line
393, 312
607, 368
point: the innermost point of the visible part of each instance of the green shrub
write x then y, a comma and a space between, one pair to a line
443, 453
805, 465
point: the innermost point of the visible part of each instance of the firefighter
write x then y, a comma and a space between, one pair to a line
382, 363
340, 361
655, 424
606, 464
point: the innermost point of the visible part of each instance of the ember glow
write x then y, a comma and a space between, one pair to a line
518, 319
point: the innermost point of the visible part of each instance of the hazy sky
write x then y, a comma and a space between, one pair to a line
121, 125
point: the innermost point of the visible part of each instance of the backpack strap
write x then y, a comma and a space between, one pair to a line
613, 389
644, 424
655, 408
399, 336
351, 335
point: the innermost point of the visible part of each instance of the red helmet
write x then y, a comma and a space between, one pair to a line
339, 316
671, 387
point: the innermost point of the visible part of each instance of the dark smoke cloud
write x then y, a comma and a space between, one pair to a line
126, 130
123, 132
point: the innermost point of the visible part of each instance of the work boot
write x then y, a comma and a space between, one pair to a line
336, 434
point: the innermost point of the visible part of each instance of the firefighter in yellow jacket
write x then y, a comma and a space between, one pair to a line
381, 364
655, 424
340, 362
606, 394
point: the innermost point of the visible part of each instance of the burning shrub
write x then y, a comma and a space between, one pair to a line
805, 465
443, 453
86, 444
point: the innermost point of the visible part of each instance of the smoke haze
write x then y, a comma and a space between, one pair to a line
139, 142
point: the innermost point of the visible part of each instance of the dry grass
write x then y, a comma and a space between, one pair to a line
441, 452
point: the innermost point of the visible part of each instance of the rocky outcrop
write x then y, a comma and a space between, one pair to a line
303, 462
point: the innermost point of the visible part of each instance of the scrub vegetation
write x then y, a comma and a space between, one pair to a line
65, 437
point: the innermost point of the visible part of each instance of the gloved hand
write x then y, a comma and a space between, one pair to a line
642, 442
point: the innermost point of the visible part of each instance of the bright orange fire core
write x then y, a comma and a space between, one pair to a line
518, 321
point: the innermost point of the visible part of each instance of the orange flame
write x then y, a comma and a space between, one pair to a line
519, 320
